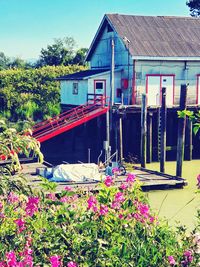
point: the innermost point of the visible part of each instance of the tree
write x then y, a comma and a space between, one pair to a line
4, 61
17, 63
61, 52
80, 56
194, 6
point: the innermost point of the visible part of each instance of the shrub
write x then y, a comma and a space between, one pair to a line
111, 227
32, 93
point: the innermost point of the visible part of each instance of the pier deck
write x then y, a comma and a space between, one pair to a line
150, 180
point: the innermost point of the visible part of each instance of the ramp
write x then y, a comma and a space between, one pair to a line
70, 119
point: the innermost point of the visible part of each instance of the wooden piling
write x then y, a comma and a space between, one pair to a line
163, 123
143, 131
149, 137
181, 132
189, 147
120, 139
157, 148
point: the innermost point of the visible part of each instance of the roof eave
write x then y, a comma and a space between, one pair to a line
166, 58
89, 53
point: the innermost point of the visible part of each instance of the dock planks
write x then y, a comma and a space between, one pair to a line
150, 180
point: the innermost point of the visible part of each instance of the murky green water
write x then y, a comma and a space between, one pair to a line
175, 206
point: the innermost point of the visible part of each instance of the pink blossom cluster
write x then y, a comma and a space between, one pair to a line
130, 178
188, 258
118, 200
93, 205
26, 255
20, 224
143, 213
69, 199
51, 196
171, 260
32, 206
13, 198
55, 261
108, 181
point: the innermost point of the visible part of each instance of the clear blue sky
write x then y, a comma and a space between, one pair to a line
26, 26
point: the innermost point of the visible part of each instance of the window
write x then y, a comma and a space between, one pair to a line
75, 89
99, 85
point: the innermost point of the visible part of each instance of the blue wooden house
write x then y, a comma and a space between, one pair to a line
149, 53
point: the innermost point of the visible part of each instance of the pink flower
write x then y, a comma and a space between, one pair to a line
144, 209
103, 210
12, 198
32, 206
123, 186
171, 260
188, 255
28, 261
11, 259
21, 225
55, 261
64, 199
1, 205
71, 264
119, 197
51, 196
68, 188
108, 181
115, 170
152, 219
116, 205
120, 216
130, 178
92, 203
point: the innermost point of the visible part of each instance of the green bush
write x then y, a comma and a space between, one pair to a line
112, 227
33, 93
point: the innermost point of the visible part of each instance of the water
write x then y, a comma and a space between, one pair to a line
176, 207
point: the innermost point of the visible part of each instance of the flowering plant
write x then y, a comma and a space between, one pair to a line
112, 227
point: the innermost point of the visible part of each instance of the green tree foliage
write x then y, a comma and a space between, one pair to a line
4, 61
32, 93
194, 6
80, 56
61, 52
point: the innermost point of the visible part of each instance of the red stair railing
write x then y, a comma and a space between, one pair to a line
81, 114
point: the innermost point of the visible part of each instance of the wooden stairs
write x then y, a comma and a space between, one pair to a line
70, 119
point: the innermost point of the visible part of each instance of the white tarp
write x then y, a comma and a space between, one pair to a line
76, 172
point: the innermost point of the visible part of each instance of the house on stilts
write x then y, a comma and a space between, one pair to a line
134, 55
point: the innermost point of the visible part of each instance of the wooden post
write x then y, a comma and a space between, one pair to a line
158, 136
143, 131
181, 132
149, 137
120, 138
188, 154
163, 131
108, 134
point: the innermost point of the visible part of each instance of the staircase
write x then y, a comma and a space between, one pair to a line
70, 119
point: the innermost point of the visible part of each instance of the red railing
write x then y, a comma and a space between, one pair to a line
80, 114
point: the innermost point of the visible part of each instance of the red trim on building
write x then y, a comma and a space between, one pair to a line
197, 89
161, 75
134, 83
101, 80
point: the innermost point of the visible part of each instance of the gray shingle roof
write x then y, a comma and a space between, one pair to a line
160, 36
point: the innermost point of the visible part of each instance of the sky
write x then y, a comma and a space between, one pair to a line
27, 26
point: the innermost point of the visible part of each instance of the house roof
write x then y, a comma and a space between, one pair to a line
81, 75
153, 36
